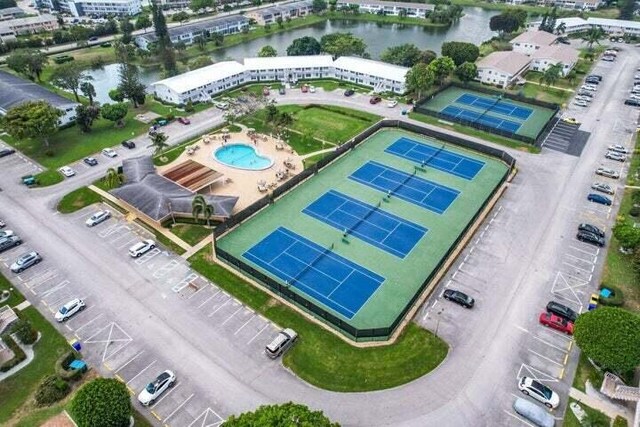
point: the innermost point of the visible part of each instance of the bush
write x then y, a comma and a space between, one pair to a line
103, 402
25, 332
635, 211
188, 107
171, 117
620, 422
51, 390
18, 354
62, 366
615, 300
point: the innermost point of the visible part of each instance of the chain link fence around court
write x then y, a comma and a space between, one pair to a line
421, 107
284, 290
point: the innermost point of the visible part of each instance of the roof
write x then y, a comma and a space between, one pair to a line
537, 37
183, 83
283, 7
11, 11
157, 197
374, 68
196, 27
603, 22
508, 62
192, 175
389, 4
284, 62
561, 53
15, 91
19, 22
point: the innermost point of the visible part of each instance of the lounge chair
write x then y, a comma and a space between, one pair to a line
279, 146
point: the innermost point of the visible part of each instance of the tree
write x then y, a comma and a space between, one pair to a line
88, 90
593, 36
319, 6
279, 21
159, 142
200, 61
285, 415
112, 179
552, 74
103, 402
165, 47
33, 119
143, 22
115, 112
70, 76
441, 68
427, 56
627, 8
267, 51
85, 116
419, 79
116, 95
217, 38
201, 42
304, 46
467, 71
199, 206
504, 23
460, 52
560, 28
180, 17
130, 85
7, 3
610, 337
196, 5
126, 27
28, 62
627, 234
406, 55
342, 44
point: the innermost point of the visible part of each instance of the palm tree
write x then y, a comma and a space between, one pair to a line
552, 74
112, 178
560, 28
593, 36
199, 206
158, 140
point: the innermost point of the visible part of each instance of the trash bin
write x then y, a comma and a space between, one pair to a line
79, 365
75, 344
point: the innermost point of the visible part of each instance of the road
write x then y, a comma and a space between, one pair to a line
516, 263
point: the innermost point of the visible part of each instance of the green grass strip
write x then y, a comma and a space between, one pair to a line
78, 199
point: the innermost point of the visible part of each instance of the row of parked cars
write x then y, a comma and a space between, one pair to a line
588, 90
634, 93
92, 161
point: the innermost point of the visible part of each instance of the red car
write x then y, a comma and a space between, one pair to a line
556, 322
184, 120
304, 88
375, 100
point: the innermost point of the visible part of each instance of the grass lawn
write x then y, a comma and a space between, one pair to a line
475, 132
320, 357
191, 233
310, 161
70, 145
49, 177
570, 420
77, 200
586, 371
544, 93
17, 389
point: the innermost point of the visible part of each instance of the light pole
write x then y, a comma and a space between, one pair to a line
438, 317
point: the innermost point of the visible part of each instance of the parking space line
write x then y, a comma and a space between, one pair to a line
231, 317
55, 289
585, 251
128, 243
165, 395
129, 361
545, 358
534, 373
139, 373
148, 256
256, 335
578, 268
179, 406
198, 291
219, 308
549, 344
245, 324
518, 418
590, 261
89, 322
208, 299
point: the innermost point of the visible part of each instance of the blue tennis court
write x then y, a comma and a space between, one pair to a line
437, 158
336, 282
499, 106
369, 223
485, 119
427, 194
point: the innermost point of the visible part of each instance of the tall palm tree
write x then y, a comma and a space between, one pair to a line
560, 28
593, 36
552, 74
199, 206
159, 142
112, 178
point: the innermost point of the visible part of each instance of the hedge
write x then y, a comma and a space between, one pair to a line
62, 366
18, 354
24, 332
617, 300
51, 390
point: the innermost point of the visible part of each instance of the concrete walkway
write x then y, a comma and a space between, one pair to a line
28, 351
551, 87
194, 249
596, 401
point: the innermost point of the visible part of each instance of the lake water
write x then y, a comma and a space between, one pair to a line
472, 27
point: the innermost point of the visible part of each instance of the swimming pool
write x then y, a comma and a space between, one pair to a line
242, 156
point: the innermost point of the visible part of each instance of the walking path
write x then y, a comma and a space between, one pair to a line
552, 87
194, 249
596, 401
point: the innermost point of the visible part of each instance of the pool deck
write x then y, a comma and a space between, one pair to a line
240, 182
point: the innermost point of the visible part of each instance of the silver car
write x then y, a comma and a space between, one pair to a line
97, 218
603, 188
613, 155
609, 173
619, 148
25, 261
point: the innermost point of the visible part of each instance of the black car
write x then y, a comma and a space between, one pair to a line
592, 81
585, 236
634, 102
6, 152
129, 144
595, 76
562, 311
459, 298
349, 92
90, 161
93, 39
591, 229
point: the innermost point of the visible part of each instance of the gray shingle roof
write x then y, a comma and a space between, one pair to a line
15, 91
197, 27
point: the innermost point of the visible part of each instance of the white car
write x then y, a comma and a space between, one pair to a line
603, 188
312, 89
614, 155
141, 248
609, 173
583, 98
539, 392
67, 171
69, 309
6, 233
590, 88
580, 103
619, 148
109, 152
154, 389
392, 103
97, 218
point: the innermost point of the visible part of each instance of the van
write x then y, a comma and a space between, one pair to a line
281, 343
534, 413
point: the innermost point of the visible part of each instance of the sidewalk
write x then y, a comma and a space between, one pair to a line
610, 409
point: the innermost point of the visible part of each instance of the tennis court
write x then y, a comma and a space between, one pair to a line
482, 118
334, 280
436, 157
495, 104
370, 223
427, 194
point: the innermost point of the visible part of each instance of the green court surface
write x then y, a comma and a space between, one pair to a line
529, 127
403, 272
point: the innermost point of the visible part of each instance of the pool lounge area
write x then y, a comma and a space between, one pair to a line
242, 156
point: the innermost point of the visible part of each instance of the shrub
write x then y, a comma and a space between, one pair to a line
25, 332
620, 422
103, 402
62, 366
188, 107
615, 300
171, 117
18, 354
635, 211
51, 390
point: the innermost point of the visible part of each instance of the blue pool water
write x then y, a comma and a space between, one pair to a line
242, 156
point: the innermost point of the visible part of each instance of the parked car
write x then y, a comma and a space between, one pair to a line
304, 89
580, 103
6, 233
90, 161
349, 92
585, 93
9, 242
221, 105
592, 80
97, 218
590, 228
375, 100
602, 187
583, 98
562, 311
600, 199
25, 261
556, 322
281, 343
265, 91
597, 76
141, 248
534, 413
69, 309
586, 237
6, 152
129, 144
312, 89
154, 389
609, 58
539, 392
93, 39
109, 152
571, 120
458, 297
184, 120
67, 171
2, 224
630, 101
589, 88
282, 91
609, 173
614, 155
618, 148
392, 103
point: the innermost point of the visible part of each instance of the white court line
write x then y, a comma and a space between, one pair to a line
128, 361
245, 324
231, 317
256, 335
179, 406
139, 373
546, 358
165, 395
